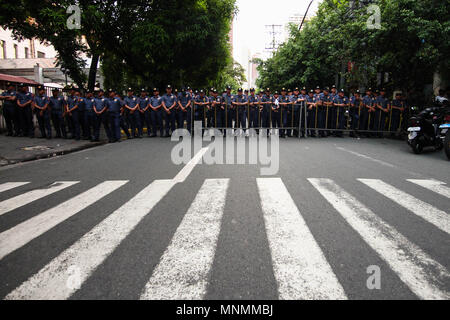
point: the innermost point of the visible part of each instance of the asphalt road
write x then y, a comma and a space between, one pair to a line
128, 230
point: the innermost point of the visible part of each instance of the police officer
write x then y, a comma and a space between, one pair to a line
200, 105
156, 113
169, 102
227, 99
132, 114
25, 115
115, 105
397, 108
9, 98
57, 105
184, 112
144, 112
89, 115
123, 123
266, 112
324, 111
216, 109
253, 116
240, 104
276, 112
298, 100
382, 110
367, 112
101, 116
355, 113
73, 115
341, 103
40, 107
82, 115
285, 111
312, 105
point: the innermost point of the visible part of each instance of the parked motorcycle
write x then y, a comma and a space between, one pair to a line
424, 131
445, 135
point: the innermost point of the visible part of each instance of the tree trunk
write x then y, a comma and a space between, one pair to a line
93, 71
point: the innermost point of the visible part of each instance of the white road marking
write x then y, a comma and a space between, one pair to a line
25, 232
11, 185
300, 267
183, 271
424, 276
26, 198
367, 157
433, 185
55, 282
422, 209
186, 171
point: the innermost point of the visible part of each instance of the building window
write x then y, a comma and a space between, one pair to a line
40, 54
2, 49
16, 52
27, 53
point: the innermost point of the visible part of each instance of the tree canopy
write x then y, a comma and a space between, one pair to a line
140, 43
411, 45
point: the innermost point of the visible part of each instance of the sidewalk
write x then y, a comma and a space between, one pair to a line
17, 150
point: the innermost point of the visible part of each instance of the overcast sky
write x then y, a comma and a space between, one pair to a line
249, 25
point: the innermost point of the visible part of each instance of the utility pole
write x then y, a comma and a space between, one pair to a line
274, 32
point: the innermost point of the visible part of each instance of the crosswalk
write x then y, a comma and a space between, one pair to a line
300, 267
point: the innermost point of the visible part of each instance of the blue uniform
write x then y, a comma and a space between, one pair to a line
266, 113
253, 117
74, 117
89, 117
185, 99
241, 110
114, 107
156, 116
171, 116
43, 116
312, 114
100, 105
396, 114
381, 115
324, 113
367, 117
216, 111
200, 110
133, 118
25, 114
57, 105
298, 116
286, 114
145, 115
339, 116
82, 117
229, 114
10, 113
276, 112
355, 113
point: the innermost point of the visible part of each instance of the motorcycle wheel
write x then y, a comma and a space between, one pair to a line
447, 145
417, 147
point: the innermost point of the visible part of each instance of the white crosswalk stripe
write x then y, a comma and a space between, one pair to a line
415, 268
11, 185
29, 197
420, 208
25, 232
182, 273
433, 185
301, 269
56, 280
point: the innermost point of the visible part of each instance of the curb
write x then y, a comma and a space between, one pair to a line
51, 154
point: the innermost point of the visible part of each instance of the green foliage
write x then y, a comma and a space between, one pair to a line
411, 45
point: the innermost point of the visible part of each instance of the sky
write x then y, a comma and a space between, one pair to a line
249, 25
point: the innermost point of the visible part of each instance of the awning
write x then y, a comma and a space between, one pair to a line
17, 80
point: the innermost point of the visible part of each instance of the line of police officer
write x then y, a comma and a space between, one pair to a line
328, 111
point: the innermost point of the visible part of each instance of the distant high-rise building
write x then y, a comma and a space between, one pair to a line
230, 37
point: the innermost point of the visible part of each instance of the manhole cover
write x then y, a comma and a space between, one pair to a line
36, 148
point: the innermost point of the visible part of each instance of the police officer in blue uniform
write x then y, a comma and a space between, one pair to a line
89, 115
266, 112
355, 113
82, 115
132, 114
156, 113
215, 104
298, 101
341, 103
240, 105
229, 113
311, 104
144, 112
101, 116
397, 108
184, 112
285, 111
115, 105
332, 112
253, 116
57, 106
382, 111
9, 98
41, 109
200, 105
276, 111
73, 115
25, 115
367, 112
169, 103
324, 110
